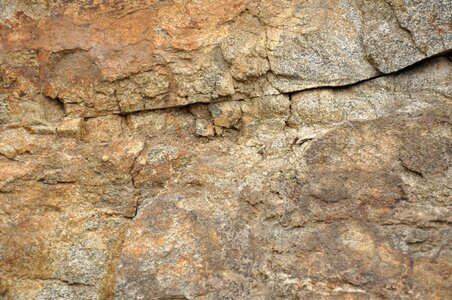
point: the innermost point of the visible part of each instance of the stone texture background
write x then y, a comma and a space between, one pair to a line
225, 149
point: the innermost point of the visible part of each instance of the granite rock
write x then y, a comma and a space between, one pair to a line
228, 149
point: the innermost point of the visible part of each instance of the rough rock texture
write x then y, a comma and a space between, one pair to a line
225, 149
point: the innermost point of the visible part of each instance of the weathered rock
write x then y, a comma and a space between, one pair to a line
226, 114
398, 33
104, 129
71, 127
427, 87
204, 128
315, 44
296, 45
230, 149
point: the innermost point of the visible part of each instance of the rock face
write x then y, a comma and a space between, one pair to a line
227, 149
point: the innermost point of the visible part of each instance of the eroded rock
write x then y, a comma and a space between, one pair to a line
225, 149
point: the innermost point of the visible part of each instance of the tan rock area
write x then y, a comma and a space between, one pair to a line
225, 149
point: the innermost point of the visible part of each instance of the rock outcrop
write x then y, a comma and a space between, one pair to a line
228, 149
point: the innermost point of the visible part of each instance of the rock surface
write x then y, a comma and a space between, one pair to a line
228, 149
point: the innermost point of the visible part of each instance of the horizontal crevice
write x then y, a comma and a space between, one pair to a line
290, 94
